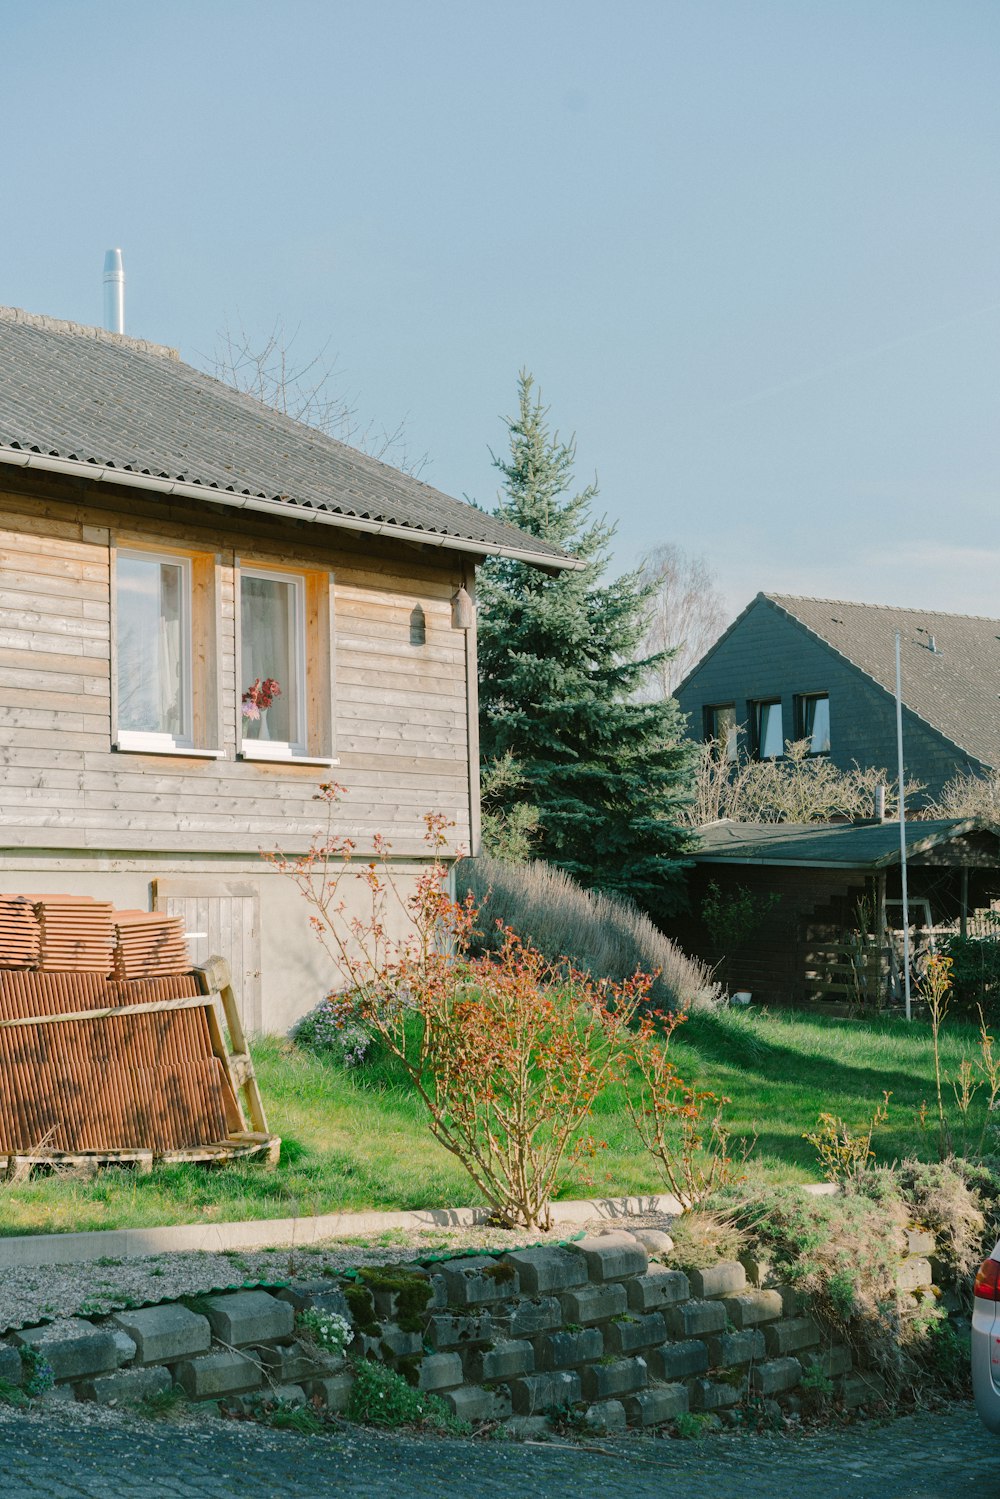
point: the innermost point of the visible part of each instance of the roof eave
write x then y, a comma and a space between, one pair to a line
98, 473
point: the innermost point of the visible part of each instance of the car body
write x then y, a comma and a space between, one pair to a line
986, 1342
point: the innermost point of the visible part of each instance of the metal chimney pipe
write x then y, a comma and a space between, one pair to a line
880, 803
114, 292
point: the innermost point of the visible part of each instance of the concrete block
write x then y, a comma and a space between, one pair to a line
725, 1279
567, 1350
656, 1289
592, 1304
527, 1318
440, 1371
775, 1375
321, 1295
503, 1361
633, 1334
528, 1428
758, 1269
605, 1381
606, 1416
401, 1344
125, 1348
652, 1407
708, 1395
216, 1374
472, 1403
693, 1319
753, 1308
654, 1240
829, 1361
546, 1269
612, 1257
857, 1390
244, 1317
791, 1335
728, 1350
678, 1360
125, 1386
534, 1394
919, 1241
72, 1347
479, 1280
60, 1394
11, 1368
291, 1363
333, 1392
286, 1394
445, 1330
165, 1334
914, 1273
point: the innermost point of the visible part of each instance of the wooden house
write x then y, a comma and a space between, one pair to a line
169, 546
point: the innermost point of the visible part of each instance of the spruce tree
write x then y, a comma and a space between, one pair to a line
559, 684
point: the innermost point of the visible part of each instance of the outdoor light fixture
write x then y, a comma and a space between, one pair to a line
463, 610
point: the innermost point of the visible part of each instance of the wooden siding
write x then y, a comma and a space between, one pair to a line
400, 711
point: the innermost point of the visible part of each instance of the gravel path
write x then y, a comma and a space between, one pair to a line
85, 1453
28, 1296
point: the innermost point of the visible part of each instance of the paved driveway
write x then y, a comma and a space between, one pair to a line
86, 1454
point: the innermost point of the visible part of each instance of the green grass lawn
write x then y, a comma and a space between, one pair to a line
354, 1140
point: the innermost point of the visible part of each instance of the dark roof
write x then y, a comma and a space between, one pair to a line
77, 393
954, 688
844, 845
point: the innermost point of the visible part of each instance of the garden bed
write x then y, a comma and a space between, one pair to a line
357, 1140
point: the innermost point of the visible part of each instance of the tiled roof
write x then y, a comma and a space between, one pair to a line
844, 845
950, 662
70, 392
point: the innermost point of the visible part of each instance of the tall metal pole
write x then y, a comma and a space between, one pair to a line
902, 830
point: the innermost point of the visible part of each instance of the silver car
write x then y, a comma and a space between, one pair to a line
986, 1342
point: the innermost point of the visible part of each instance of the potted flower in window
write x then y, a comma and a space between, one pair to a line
256, 701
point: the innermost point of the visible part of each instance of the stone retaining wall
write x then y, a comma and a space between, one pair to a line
602, 1332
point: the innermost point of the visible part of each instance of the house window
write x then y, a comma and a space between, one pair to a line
769, 739
153, 651
721, 729
812, 714
273, 664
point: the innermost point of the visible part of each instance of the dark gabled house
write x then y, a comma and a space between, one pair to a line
820, 669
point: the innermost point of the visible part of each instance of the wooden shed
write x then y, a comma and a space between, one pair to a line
825, 902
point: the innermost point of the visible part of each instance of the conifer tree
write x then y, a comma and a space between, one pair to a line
559, 684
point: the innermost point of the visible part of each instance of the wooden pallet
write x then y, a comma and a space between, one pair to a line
248, 1134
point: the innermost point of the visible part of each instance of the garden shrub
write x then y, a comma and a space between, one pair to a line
602, 935
381, 1397
975, 971
334, 1029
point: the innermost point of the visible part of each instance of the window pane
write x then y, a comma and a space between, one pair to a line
818, 724
152, 647
721, 723
271, 668
771, 739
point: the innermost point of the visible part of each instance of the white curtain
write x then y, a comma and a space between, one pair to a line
269, 633
151, 647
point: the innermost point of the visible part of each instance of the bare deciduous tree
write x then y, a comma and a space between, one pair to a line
686, 613
969, 795
307, 390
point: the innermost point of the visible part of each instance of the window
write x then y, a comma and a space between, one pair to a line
812, 721
769, 739
153, 651
720, 727
273, 661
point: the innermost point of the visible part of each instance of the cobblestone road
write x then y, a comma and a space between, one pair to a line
97, 1455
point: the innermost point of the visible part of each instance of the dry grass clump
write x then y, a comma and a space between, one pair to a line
702, 1239
599, 934
947, 1198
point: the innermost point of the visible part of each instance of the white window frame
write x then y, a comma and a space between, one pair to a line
278, 749
144, 740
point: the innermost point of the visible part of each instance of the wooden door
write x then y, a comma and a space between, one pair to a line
221, 918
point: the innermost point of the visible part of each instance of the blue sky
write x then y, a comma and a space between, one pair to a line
749, 250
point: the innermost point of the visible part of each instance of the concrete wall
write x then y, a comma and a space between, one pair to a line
768, 656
